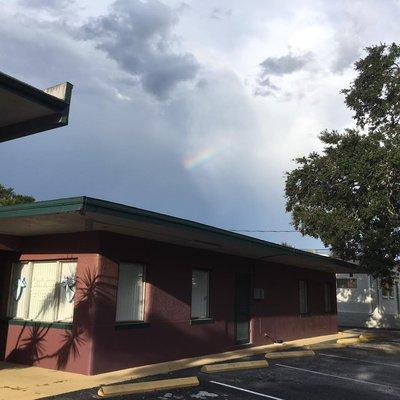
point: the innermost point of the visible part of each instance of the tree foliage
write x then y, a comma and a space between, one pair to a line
349, 196
375, 93
8, 197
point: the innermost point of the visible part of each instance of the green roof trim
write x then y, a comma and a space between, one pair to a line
85, 205
32, 110
31, 93
58, 206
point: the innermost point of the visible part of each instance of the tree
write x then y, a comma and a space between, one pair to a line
375, 93
349, 196
8, 197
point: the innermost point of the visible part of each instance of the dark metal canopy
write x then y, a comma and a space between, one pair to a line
80, 214
25, 110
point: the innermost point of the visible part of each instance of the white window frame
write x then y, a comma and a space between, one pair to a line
143, 296
207, 316
27, 291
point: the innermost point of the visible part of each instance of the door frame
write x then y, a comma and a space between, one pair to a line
248, 340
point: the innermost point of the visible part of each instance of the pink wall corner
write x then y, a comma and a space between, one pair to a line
65, 349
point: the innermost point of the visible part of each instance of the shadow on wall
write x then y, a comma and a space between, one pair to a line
360, 296
168, 333
171, 336
5, 276
31, 345
381, 318
363, 307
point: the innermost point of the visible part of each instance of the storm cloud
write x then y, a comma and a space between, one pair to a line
163, 113
138, 36
286, 64
278, 66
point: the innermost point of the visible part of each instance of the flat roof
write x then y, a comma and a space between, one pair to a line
25, 110
79, 214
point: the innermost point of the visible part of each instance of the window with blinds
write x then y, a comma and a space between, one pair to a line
130, 294
303, 297
200, 293
19, 297
39, 291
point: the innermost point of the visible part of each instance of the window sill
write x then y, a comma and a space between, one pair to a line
200, 321
41, 324
131, 325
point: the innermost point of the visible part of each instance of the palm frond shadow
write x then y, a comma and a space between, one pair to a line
93, 292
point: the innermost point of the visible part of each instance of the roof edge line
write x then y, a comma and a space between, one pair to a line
98, 204
71, 204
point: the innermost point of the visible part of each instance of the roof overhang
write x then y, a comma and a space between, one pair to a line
81, 214
25, 110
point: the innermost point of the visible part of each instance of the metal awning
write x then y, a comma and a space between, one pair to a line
81, 214
25, 110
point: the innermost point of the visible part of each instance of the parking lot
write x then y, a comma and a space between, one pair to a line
361, 371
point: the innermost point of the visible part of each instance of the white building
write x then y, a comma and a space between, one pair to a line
361, 302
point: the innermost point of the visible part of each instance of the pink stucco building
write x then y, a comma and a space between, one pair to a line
90, 286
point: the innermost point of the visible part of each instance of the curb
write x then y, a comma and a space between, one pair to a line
350, 340
234, 366
143, 387
325, 346
290, 354
366, 337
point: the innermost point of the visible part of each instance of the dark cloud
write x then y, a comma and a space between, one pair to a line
286, 64
137, 35
278, 66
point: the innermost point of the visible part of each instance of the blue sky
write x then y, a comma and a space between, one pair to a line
194, 108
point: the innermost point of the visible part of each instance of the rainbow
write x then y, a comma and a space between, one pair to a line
199, 158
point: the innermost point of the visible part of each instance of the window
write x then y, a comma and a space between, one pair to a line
43, 291
388, 292
328, 297
303, 297
200, 293
130, 296
346, 283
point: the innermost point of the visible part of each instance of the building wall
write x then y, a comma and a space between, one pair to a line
52, 345
170, 335
97, 344
365, 306
5, 270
